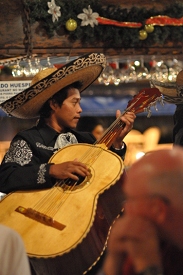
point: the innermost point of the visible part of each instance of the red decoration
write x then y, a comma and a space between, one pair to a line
106, 21
163, 20
159, 20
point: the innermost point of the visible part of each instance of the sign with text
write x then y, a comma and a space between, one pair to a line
11, 88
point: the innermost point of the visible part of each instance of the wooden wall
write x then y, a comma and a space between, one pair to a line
12, 42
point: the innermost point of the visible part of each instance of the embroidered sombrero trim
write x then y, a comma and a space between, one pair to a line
74, 66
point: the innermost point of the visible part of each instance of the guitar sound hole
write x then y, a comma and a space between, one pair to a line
72, 182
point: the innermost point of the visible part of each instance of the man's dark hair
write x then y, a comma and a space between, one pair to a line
58, 98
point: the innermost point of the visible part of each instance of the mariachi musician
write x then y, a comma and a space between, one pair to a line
54, 98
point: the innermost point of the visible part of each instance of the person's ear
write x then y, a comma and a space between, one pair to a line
159, 211
53, 104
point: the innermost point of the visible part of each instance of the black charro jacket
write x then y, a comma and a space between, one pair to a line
25, 166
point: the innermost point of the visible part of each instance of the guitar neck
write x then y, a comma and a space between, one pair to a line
138, 104
111, 132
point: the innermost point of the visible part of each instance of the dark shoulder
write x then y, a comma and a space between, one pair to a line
27, 132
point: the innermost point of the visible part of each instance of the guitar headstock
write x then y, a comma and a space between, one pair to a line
142, 101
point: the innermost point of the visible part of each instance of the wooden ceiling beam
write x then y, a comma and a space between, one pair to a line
11, 52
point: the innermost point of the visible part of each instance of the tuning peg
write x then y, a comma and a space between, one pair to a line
148, 110
161, 101
155, 107
149, 113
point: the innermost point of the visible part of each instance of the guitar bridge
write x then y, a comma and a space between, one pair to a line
40, 217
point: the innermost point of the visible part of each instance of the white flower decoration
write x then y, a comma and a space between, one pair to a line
88, 17
54, 10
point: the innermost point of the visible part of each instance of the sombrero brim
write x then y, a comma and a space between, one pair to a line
28, 103
174, 100
172, 91
165, 88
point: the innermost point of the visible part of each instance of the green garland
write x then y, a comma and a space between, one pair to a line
112, 36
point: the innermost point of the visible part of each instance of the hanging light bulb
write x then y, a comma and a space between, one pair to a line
107, 75
17, 70
29, 69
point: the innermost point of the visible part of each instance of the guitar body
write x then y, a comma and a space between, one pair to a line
68, 232
86, 211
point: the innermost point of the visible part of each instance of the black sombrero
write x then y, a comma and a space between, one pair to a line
46, 83
172, 91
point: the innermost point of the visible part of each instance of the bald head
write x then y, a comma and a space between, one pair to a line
158, 172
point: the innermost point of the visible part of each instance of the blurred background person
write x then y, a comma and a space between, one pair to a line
94, 125
13, 258
178, 125
148, 238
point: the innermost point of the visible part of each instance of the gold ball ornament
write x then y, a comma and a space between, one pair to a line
71, 25
142, 34
149, 28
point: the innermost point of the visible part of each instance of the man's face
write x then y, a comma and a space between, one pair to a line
68, 114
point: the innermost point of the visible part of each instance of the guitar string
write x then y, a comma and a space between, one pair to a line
53, 210
95, 154
68, 188
53, 192
63, 196
49, 193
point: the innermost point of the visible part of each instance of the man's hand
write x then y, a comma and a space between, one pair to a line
69, 169
128, 120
